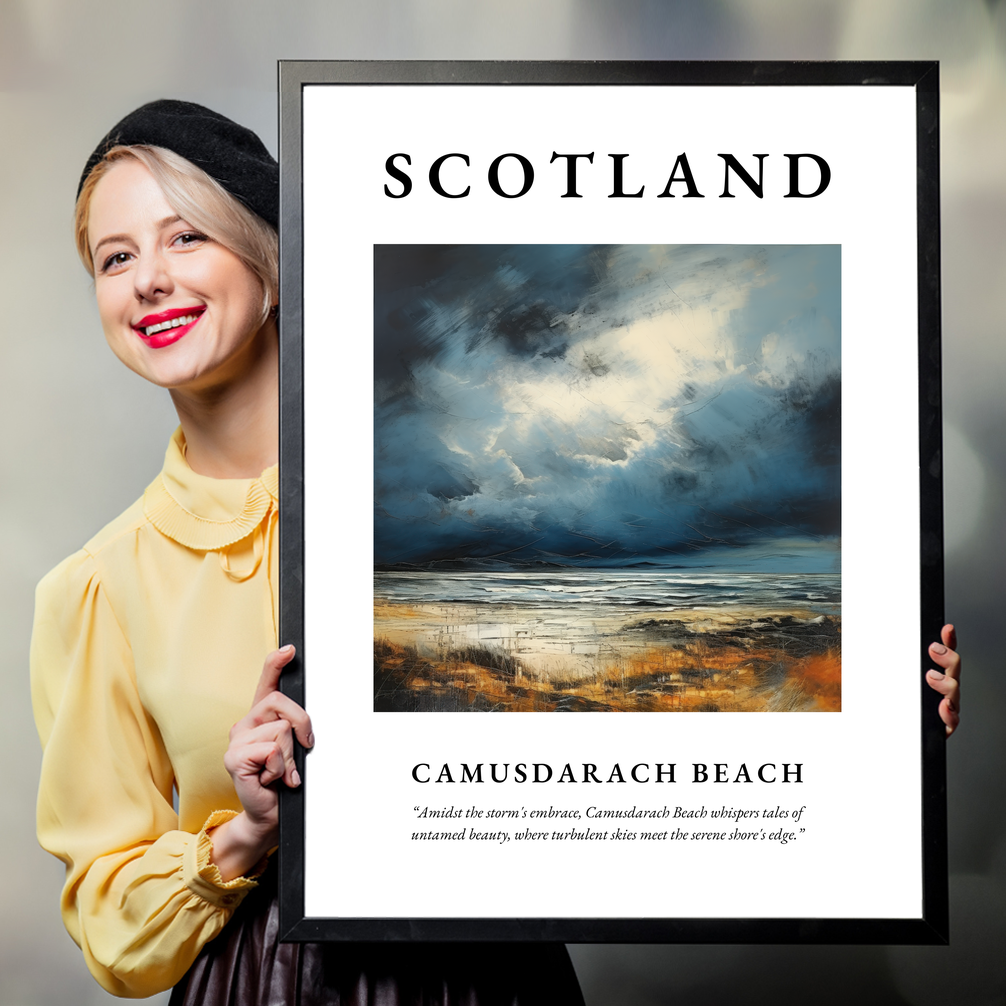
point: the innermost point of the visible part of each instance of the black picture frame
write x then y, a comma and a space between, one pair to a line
931, 926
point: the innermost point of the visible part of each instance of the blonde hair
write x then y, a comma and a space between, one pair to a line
199, 200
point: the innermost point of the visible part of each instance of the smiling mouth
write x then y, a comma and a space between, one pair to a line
167, 321
185, 319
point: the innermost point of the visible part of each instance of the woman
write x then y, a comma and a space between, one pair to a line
148, 643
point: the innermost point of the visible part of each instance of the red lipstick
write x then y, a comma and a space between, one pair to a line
166, 325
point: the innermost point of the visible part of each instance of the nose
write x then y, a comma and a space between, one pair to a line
152, 277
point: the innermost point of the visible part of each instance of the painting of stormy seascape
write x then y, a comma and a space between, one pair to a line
607, 478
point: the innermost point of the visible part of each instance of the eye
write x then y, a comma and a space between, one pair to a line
115, 261
189, 239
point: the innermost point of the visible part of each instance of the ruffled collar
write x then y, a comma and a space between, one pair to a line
203, 513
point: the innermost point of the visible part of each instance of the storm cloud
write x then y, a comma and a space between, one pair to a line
608, 405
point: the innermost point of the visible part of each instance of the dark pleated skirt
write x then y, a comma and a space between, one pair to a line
246, 965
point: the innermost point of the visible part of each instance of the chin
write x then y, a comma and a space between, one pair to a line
191, 364
168, 374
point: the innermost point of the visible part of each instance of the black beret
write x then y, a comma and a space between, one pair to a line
231, 154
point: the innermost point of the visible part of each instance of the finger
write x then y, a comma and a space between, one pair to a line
279, 732
949, 708
948, 659
261, 760
950, 716
946, 686
277, 706
273, 767
271, 670
949, 636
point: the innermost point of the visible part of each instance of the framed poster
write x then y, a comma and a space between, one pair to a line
612, 390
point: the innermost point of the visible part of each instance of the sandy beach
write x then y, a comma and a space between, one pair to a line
500, 657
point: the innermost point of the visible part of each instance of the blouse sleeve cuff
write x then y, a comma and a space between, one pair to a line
202, 876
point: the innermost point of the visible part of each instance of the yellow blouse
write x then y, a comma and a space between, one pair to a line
147, 647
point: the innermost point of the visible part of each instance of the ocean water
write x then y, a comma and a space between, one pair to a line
615, 589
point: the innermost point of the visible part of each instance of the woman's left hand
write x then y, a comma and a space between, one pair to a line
948, 681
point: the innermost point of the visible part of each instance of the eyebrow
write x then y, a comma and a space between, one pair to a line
111, 238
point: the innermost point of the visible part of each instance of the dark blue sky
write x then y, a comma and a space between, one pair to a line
608, 405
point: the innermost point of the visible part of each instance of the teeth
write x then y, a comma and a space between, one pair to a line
174, 323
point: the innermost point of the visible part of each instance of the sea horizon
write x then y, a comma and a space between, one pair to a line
657, 588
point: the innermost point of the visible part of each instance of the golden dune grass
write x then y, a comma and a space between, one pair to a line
702, 673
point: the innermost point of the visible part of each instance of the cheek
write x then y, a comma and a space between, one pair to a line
246, 301
115, 309
113, 313
223, 279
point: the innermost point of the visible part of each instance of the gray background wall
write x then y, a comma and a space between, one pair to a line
82, 436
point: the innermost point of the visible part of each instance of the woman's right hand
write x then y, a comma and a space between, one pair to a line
259, 754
